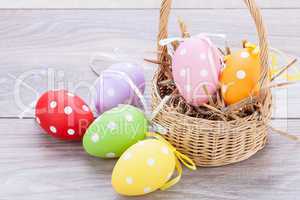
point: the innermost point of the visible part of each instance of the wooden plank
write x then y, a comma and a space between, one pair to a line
64, 40
34, 166
142, 4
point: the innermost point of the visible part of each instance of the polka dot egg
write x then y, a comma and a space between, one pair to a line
113, 87
143, 168
196, 64
63, 115
241, 74
114, 131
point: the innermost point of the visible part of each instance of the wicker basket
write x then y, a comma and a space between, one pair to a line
210, 142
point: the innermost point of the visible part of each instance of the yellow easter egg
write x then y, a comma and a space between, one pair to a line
239, 79
143, 168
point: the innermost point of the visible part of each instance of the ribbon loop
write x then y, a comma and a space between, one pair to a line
179, 157
175, 180
186, 161
274, 62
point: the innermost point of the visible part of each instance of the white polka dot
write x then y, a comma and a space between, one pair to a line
165, 150
150, 162
147, 190
188, 88
111, 92
68, 110
127, 156
129, 118
70, 94
141, 143
182, 72
203, 56
95, 137
241, 74
52, 129
245, 54
110, 155
129, 180
85, 108
182, 51
71, 131
111, 126
38, 120
203, 73
53, 104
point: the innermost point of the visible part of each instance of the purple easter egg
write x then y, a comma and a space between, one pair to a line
113, 87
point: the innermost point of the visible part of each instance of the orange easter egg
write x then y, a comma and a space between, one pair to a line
240, 77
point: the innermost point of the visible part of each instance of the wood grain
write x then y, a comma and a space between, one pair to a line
34, 166
40, 45
142, 4
64, 40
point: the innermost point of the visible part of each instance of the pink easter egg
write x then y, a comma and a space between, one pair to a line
196, 64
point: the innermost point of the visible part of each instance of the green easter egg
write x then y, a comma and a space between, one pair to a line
115, 131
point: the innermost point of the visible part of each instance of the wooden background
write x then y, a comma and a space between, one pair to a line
36, 42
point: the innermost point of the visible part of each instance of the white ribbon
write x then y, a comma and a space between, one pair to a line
168, 41
132, 85
150, 116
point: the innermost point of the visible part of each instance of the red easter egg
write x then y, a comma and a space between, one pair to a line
63, 115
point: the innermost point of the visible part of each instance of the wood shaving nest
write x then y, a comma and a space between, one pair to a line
213, 110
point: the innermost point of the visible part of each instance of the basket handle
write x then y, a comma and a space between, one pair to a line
261, 30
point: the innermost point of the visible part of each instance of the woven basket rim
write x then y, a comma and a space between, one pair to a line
212, 142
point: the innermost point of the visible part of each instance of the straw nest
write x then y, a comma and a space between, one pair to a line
213, 134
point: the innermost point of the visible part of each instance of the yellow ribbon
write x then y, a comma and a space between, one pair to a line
274, 62
254, 49
179, 157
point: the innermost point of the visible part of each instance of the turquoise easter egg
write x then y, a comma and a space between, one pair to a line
115, 131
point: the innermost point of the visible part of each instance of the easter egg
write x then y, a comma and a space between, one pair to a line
63, 115
143, 168
239, 79
114, 131
196, 64
113, 86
